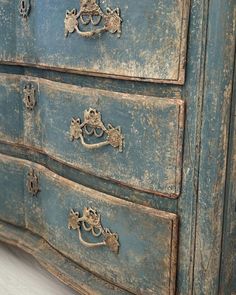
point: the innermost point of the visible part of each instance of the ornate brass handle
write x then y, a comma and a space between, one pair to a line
91, 222
91, 13
93, 125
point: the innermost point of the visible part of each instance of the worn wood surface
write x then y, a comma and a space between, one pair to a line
208, 21
152, 128
12, 205
127, 57
193, 93
228, 254
146, 262
214, 145
60, 266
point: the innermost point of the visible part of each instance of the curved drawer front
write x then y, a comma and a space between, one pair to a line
141, 253
149, 130
147, 43
11, 109
12, 191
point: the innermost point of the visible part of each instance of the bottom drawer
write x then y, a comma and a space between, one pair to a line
129, 245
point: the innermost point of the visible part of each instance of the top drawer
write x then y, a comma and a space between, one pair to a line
150, 47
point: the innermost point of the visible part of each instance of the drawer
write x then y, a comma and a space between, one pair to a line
12, 191
151, 45
143, 152
139, 253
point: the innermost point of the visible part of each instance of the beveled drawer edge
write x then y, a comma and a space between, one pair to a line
180, 143
83, 71
184, 45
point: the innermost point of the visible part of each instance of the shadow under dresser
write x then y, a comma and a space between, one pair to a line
117, 142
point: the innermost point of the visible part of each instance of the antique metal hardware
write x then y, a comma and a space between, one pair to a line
91, 222
93, 125
24, 8
90, 13
29, 96
32, 183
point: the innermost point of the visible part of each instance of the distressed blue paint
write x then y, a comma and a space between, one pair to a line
12, 206
11, 111
154, 166
146, 261
214, 145
106, 186
197, 90
8, 29
228, 255
128, 55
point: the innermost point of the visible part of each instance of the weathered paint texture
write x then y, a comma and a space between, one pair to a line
152, 128
228, 254
217, 98
127, 57
146, 262
206, 248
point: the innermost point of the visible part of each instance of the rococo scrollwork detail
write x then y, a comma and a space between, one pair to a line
90, 221
93, 125
91, 15
32, 183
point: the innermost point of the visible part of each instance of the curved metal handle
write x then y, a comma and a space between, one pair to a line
93, 125
91, 222
91, 13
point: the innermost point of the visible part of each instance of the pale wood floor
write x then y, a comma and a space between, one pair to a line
22, 275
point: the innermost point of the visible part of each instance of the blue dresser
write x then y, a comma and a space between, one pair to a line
118, 142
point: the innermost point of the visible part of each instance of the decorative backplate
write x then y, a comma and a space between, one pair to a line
91, 14
29, 99
24, 8
91, 222
93, 125
32, 183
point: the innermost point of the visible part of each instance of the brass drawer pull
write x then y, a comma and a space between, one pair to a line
90, 13
93, 125
91, 222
